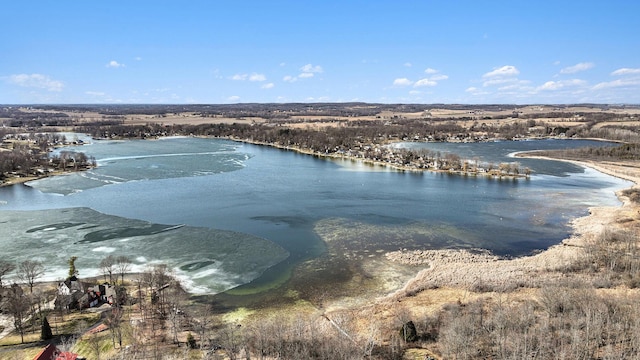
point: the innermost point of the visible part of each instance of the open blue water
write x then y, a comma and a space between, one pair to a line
223, 213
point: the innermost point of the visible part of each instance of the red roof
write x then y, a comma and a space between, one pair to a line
48, 353
52, 353
67, 356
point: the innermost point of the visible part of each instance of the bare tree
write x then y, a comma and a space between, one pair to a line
95, 345
203, 323
161, 280
67, 343
107, 266
18, 306
231, 339
114, 321
5, 268
123, 264
176, 296
29, 271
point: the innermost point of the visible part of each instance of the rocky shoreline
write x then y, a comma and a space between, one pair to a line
444, 256
472, 268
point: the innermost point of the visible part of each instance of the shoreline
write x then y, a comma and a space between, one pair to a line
476, 268
635, 178
22, 180
15, 180
437, 258
401, 168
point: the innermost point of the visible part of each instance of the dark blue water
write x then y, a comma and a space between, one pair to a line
298, 202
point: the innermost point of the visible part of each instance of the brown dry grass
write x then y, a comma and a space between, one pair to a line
466, 278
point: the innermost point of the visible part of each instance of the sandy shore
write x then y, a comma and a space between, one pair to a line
13, 180
19, 180
481, 270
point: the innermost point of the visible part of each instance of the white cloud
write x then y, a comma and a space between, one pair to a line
311, 68
439, 77
620, 83
475, 91
38, 81
550, 85
408, 64
556, 85
233, 98
289, 79
114, 64
95, 93
499, 81
425, 82
626, 71
257, 77
415, 92
503, 75
577, 68
507, 70
268, 86
428, 81
402, 82
308, 71
511, 87
252, 77
138, 58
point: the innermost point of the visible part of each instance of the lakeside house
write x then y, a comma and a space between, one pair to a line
72, 295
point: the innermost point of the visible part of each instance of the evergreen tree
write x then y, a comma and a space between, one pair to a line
191, 341
409, 332
72, 267
46, 332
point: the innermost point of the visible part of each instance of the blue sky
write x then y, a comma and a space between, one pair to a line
320, 51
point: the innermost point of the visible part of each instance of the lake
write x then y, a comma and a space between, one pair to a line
223, 214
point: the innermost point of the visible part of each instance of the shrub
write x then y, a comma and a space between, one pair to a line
191, 341
408, 332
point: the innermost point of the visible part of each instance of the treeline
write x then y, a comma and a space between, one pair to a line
329, 137
622, 152
269, 109
19, 118
629, 134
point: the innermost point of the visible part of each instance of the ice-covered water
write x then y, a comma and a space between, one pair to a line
241, 205
206, 260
